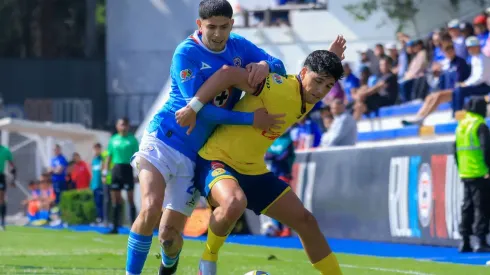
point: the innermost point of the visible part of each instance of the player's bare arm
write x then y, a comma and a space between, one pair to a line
224, 78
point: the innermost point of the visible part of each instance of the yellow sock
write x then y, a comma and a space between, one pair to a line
213, 244
328, 265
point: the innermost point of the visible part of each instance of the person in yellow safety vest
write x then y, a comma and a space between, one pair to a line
472, 154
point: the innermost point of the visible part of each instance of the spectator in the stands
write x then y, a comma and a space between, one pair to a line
476, 84
337, 92
486, 48
368, 59
365, 74
306, 134
58, 170
351, 82
327, 117
393, 54
467, 29
415, 72
343, 130
384, 93
481, 31
404, 56
437, 52
458, 38
80, 173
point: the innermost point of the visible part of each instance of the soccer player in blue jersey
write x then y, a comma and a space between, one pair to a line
166, 159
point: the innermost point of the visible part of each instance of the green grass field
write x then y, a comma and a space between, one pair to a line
41, 251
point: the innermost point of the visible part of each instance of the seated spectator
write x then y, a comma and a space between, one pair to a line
458, 38
481, 31
384, 93
41, 202
80, 173
415, 72
393, 54
337, 92
350, 82
476, 84
32, 203
467, 29
438, 53
368, 59
306, 134
379, 51
343, 131
327, 117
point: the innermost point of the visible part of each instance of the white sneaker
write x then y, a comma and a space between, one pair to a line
207, 267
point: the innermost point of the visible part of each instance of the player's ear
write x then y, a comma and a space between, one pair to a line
199, 24
232, 22
303, 72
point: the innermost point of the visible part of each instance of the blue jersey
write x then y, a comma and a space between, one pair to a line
59, 161
192, 65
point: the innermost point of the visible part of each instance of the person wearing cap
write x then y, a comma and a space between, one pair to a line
476, 84
479, 80
457, 37
472, 155
466, 29
393, 54
480, 27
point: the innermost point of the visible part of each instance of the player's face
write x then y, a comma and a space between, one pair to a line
316, 86
215, 31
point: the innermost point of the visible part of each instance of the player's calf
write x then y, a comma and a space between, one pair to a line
289, 210
152, 193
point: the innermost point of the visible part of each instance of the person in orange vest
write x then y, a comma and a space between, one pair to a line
80, 173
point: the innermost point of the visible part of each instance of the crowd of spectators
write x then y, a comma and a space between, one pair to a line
450, 65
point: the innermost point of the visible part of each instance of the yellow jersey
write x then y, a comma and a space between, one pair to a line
243, 147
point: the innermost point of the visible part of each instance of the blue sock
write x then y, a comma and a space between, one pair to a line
138, 248
167, 261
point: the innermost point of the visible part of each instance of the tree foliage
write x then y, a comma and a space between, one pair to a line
399, 11
49, 28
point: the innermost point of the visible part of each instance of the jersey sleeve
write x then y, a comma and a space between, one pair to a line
189, 79
135, 145
252, 53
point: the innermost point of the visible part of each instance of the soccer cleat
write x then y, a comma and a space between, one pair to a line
207, 267
168, 270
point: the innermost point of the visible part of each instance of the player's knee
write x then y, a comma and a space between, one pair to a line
170, 239
234, 206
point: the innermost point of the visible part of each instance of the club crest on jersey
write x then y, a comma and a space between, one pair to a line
149, 148
221, 99
185, 75
215, 165
217, 172
277, 78
237, 61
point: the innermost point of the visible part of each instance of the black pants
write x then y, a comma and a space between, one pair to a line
476, 208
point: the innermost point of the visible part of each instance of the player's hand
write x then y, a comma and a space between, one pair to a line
186, 116
338, 46
257, 72
265, 121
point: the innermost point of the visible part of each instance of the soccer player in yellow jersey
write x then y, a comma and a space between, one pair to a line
231, 171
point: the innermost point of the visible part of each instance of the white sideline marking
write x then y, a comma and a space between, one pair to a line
399, 271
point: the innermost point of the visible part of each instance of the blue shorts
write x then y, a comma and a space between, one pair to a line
261, 190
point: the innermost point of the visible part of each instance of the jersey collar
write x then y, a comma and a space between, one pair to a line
302, 93
195, 37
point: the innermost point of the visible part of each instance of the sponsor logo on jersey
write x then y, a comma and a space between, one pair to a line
217, 172
185, 75
205, 66
215, 165
237, 61
277, 78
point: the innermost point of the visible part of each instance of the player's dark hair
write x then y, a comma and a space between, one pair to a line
97, 145
326, 63
211, 8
